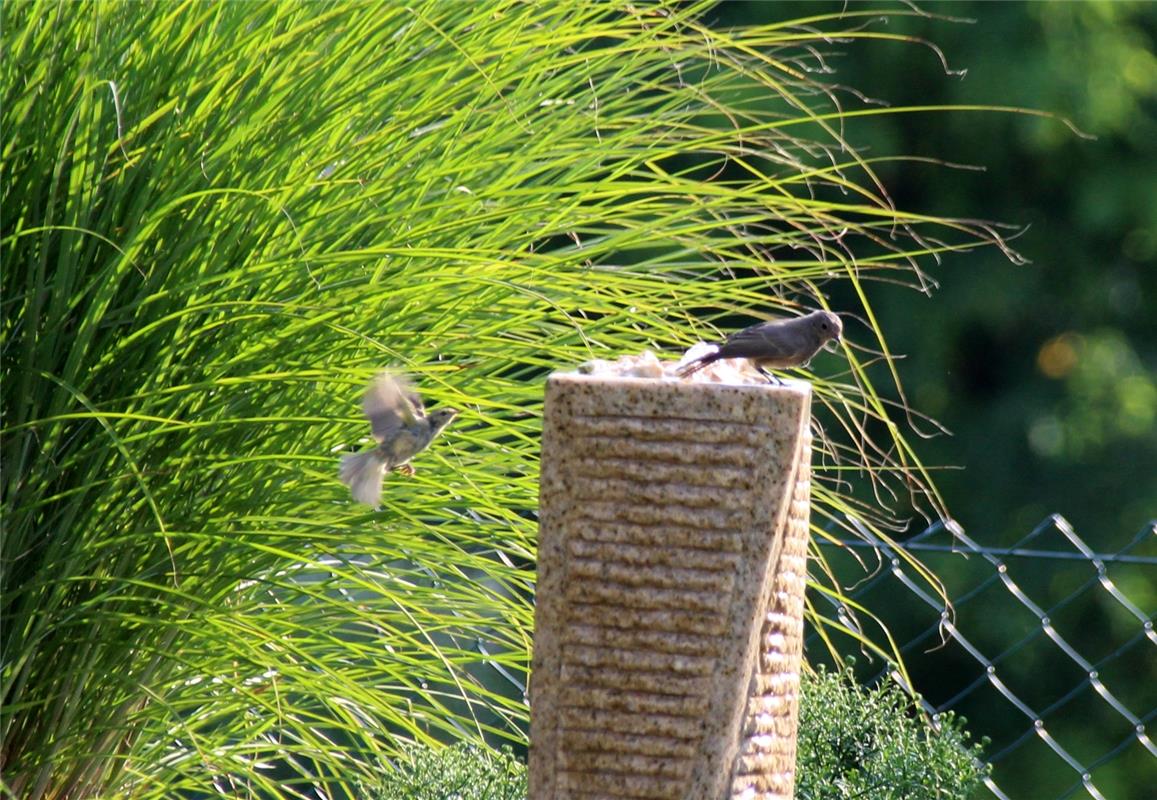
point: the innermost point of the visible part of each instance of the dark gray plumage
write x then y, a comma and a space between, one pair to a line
778, 344
402, 428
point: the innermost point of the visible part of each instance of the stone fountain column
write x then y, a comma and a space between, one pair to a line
669, 605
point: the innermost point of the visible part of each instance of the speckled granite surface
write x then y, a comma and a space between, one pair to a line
672, 556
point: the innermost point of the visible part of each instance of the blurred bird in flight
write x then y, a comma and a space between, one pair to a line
402, 429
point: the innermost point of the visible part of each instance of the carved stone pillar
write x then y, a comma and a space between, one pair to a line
669, 604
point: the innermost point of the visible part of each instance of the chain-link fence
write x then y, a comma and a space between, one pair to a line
1049, 650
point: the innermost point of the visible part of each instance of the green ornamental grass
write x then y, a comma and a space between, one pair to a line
220, 220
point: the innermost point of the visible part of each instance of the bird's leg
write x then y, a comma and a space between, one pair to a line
405, 469
770, 378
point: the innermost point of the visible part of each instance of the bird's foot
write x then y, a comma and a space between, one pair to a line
772, 379
405, 469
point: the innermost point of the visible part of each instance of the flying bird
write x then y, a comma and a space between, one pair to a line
778, 344
402, 429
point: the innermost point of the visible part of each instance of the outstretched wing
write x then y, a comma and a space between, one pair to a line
390, 403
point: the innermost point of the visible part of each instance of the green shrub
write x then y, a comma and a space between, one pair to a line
876, 744
867, 744
463, 772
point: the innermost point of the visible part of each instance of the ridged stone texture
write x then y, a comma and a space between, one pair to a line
669, 604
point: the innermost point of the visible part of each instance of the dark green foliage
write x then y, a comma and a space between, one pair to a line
463, 772
1047, 373
877, 744
854, 743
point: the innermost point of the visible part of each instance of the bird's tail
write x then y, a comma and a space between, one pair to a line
362, 472
691, 367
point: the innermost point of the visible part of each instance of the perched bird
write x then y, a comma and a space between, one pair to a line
775, 345
402, 428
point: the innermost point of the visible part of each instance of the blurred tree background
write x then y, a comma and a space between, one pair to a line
1044, 372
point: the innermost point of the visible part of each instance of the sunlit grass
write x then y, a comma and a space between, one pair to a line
220, 220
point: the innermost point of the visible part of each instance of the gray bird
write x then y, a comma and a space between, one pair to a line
775, 345
402, 428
